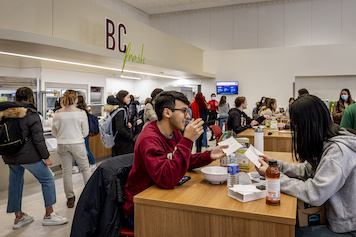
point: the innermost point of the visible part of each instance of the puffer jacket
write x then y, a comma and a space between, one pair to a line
124, 140
35, 148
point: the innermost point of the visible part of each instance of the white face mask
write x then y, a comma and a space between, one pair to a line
213, 98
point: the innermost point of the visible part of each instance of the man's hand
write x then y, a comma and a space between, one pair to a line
48, 162
194, 129
253, 123
217, 152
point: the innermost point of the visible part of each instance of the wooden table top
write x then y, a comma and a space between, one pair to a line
275, 134
201, 196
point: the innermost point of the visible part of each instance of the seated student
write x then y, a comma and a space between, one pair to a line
238, 121
162, 154
327, 169
271, 109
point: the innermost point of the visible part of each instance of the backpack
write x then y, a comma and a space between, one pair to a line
105, 128
93, 124
11, 140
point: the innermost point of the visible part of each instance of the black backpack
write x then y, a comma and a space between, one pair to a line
11, 140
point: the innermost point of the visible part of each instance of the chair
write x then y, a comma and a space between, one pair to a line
217, 131
98, 211
126, 232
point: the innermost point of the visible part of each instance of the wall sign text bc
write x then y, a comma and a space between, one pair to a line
110, 42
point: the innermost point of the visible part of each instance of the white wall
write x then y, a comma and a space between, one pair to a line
327, 87
263, 25
271, 72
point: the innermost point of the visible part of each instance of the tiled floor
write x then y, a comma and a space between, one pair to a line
32, 204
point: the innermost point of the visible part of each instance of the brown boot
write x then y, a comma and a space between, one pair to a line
70, 202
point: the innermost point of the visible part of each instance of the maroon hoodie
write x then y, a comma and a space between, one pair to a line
160, 160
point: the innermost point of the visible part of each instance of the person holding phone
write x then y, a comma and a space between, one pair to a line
162, 154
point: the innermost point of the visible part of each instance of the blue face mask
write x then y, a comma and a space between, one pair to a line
344, 97
262, 101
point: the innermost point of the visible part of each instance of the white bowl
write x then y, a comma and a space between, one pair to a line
215, 174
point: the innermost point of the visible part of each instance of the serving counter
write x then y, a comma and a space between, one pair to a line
199, 208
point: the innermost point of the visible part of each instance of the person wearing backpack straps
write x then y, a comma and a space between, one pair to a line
70, 127
34, 157
83, 105
124, 140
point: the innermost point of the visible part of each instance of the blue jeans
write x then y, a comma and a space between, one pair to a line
205, 139
90, 155
43, 175
221, 122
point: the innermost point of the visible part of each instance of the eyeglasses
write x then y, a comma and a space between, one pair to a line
184, 110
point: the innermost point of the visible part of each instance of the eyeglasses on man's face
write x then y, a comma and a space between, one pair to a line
184, 110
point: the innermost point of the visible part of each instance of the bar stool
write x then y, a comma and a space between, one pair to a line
126, 232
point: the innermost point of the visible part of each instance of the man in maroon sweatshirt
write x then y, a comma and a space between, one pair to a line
162, 154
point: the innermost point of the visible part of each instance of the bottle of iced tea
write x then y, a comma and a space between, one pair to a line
273, 184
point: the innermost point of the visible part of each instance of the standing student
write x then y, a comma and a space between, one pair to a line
124, 140
70, 127
149, 113
200, 110
162, 154
83, 105
327, 169
223, 109
33, 156
344, 101
213, 113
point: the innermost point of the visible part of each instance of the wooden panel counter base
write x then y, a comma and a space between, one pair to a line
277, 141
198, 208
97, 148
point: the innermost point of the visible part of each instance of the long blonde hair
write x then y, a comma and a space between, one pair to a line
69, 98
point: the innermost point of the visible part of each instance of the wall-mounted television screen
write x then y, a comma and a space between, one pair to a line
227, 87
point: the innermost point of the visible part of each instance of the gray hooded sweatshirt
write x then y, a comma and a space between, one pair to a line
333, 182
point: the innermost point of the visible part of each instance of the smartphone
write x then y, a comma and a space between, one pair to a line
183, 180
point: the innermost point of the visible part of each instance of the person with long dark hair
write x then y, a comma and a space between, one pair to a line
124, 140
271, 108
345, 100
326, 172
200, 110
33, 156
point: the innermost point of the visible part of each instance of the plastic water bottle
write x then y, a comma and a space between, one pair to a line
233, 171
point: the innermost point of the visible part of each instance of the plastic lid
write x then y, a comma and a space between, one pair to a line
272, 162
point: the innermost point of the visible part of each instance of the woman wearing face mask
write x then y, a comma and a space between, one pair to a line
344, 101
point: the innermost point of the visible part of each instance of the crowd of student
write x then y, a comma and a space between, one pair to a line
163, 151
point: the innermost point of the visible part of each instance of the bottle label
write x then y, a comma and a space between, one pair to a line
233, 168
273, 187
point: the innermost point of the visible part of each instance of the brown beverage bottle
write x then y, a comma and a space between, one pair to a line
273, 184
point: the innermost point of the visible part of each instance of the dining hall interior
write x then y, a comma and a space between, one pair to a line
99, 47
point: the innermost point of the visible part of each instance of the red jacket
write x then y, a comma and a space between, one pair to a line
160, 160
195, 110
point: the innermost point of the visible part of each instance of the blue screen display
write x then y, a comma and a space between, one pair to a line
227, 87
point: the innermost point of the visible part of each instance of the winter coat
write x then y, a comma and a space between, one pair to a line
99, 208
124, 140
149, 114
133, 112
35, 148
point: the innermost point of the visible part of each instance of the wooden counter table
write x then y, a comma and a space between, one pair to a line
277, 141
199, 208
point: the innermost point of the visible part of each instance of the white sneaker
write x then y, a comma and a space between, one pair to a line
93, 167
75, 170
54, 219
24, 220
